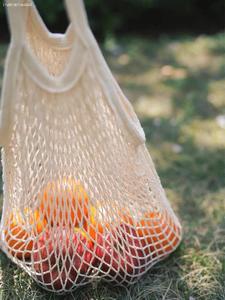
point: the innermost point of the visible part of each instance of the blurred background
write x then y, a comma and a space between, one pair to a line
169, 59
142, 17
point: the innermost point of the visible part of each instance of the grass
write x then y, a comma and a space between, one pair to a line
177, 87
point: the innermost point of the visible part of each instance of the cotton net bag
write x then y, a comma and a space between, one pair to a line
82, 199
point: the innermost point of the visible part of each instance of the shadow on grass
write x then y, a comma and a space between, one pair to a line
191, 96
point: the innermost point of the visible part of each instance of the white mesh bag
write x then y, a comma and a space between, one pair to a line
82, 199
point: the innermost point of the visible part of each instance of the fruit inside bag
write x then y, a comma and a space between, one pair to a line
68, 239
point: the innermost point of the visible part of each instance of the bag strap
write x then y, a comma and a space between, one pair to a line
17, 12
76, 12
78, 17
17, 15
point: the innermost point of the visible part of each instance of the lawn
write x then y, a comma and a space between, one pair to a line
177, 87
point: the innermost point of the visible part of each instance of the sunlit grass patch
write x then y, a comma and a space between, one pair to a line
216, 94
205, 134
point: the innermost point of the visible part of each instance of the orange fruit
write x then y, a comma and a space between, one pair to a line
160, 233
97, 222
93, 226
82, 232
128, 220
19, 236
64, 202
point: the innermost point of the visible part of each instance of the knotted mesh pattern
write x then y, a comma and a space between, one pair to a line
81, 200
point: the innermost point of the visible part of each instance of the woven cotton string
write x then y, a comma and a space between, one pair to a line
82, 199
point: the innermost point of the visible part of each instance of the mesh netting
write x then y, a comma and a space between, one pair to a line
81, 200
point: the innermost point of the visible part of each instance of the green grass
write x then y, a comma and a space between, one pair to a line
177, 87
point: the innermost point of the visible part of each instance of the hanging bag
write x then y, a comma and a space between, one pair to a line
82, 199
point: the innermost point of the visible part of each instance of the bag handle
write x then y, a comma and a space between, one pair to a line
78, 17
17, 15
77, 12
17, 12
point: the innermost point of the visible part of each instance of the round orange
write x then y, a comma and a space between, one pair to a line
97, 224
127, 220
64, 202
19, 236
159, 231
93, 226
